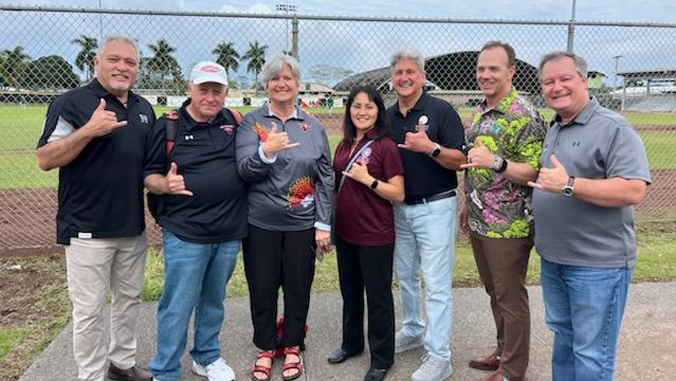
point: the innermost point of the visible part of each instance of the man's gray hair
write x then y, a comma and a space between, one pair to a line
276, 63
408, 54
580, 63
119, 37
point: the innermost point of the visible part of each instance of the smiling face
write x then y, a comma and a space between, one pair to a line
563, 88
116, 67
363, 112
206, 100
494, 75
408, 79
283, 87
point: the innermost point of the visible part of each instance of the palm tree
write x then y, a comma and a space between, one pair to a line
14, 62
256, 57
85, 58
227, 56
162, 62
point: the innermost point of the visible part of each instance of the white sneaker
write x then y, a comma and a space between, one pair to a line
433, 369
216, 371
403, 343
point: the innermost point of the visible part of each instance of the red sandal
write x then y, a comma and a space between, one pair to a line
261, 368
297, 365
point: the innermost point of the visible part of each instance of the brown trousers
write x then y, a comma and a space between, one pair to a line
502, 265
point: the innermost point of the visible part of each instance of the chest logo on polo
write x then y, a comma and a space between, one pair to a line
305, 127
228, 128
188, 137
577, 143
143, 118
301, 193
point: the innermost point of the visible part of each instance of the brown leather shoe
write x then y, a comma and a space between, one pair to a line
490, 362
135, 373
497, 376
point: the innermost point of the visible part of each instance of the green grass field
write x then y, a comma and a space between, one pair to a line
21, 126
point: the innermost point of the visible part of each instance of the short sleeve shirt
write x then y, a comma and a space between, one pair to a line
597, 144
101, 190
424, 176
362, 217
514, 130
205, 155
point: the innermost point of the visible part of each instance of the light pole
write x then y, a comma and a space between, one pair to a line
287, 8
571, 30
100, 24
617, 62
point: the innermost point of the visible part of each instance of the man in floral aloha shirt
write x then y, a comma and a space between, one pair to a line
507, 134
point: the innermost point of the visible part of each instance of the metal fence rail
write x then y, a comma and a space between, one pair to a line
45, 51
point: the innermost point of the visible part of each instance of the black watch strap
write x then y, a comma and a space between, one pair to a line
503, 166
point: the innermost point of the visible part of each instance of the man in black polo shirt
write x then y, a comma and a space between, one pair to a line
432, 141
99, 136
202, 233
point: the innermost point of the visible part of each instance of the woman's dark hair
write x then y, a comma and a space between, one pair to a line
381, 125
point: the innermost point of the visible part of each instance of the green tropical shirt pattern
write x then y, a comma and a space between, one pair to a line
515, 130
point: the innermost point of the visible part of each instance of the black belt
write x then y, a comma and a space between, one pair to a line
434, 197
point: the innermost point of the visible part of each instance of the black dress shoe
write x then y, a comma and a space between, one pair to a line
340, 355
375, 374
135, 373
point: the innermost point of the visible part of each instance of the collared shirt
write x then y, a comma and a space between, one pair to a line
362, 217
597, 144
424, 176
205, 156
514, 130
291, 192
101, 190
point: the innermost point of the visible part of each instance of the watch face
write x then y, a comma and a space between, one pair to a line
567, 191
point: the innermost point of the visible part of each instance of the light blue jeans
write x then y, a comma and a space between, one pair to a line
584, 308
425, 240
196, 276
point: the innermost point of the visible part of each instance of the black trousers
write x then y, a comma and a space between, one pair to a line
370, 268
273, 259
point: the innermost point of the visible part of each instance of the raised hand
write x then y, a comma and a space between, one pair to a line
359, 172
551, 179
102, 121
277, 141
175, 182
418, 141
479, 157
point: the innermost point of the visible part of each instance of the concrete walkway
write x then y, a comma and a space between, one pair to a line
647, 348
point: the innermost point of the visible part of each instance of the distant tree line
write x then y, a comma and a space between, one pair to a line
159, 71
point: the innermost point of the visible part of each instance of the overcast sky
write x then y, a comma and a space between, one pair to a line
588, 10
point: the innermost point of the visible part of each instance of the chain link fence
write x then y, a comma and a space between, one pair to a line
44, 52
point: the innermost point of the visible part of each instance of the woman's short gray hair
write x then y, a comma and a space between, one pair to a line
408, 54
120, 37
580, 63
276, 63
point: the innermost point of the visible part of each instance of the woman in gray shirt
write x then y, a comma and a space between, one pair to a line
284, 155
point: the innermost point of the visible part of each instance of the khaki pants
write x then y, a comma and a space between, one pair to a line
96, 266
502, 265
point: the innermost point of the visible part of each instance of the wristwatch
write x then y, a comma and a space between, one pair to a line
374, 184
436, 151
503, 166
569, 188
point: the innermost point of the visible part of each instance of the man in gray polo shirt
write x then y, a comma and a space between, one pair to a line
594, 170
